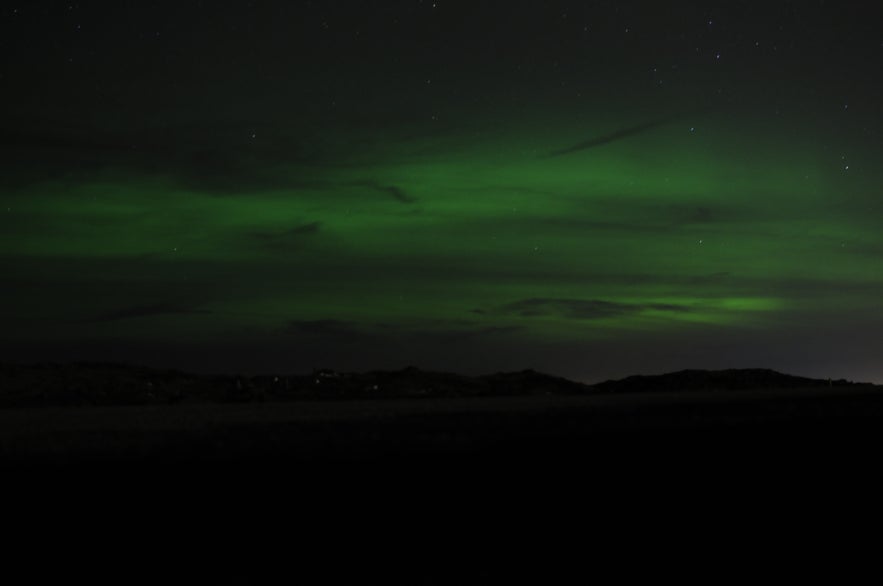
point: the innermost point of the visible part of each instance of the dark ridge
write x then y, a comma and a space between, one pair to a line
711, 380
533, 382
96, 383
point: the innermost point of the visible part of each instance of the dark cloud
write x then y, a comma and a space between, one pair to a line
594, 212
220, 158
217, 158
290, 238
136, 311
583, 308
396, 192
681, 214
701, 215
310, 228
399, 194
322, 327
465, 334
423, 332
709, 279
17, 139
611, 137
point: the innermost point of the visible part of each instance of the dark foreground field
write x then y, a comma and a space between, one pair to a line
504, 431
454, 490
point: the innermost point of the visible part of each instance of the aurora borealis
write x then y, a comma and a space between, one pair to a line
591, 189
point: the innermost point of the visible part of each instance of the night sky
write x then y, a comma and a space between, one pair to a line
590, 189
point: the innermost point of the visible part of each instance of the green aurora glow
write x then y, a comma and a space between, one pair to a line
719, 237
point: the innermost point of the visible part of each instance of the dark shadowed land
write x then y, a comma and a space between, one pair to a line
60, 414
435, 478
88, 384
112, 410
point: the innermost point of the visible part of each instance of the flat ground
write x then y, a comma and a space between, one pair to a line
374, 430
465, 491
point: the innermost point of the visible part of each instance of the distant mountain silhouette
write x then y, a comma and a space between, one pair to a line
84, 383
710, 380
533, 382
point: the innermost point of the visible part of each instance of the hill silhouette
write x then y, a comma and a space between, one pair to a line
711, 380
334, 430
84, 383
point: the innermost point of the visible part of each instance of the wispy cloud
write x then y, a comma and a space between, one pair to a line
583, 308
290, 238
395, 191
610, 137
